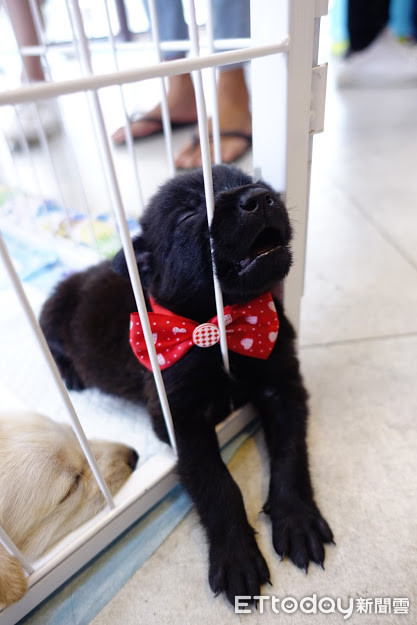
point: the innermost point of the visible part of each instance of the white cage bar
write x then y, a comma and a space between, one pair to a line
37, 20
166, 121
41, 91
127, 128
207, 173
281, 96
37, 332
9, 545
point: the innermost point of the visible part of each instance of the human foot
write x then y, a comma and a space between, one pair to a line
181, 106
233, 145
234, 119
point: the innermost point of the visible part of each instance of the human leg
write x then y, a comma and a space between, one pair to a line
180, 95
414, 20
366, 20
234, 117
375, 57
231, 19
26, 35
45, 111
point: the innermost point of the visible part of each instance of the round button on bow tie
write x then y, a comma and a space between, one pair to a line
206, 335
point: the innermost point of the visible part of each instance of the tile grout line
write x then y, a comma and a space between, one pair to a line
366, 339
377, 226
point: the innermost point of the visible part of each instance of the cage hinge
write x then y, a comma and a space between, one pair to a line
318, 98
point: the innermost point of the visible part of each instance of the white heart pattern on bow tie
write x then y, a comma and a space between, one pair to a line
155, 337
272, 306
273, 336
246, 343
252, 319
161, 359
178, 330
227, 319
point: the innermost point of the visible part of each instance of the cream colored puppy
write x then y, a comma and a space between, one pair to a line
47, 488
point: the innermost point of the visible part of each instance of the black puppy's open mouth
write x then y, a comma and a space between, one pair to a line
267, 241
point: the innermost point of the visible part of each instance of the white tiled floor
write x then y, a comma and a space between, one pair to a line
363, 205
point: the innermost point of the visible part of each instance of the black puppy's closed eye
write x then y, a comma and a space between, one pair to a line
185, 216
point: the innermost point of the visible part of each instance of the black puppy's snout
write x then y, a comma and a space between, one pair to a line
255, 199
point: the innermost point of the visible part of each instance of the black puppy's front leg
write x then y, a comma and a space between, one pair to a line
237, 567
298, 529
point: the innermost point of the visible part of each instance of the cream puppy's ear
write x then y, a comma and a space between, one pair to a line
13, 584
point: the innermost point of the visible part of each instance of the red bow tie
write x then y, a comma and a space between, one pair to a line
251, 329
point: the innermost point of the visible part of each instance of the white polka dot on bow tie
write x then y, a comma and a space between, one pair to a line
246, 343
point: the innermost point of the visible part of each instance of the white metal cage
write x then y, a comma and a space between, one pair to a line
287, 90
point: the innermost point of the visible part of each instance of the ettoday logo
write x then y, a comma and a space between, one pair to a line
289, 605
323, 605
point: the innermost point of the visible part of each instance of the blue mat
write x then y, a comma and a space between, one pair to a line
29, 262
82, 598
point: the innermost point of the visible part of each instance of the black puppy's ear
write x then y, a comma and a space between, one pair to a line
143, 261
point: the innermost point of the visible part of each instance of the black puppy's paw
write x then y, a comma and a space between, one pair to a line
298, 530
237, 567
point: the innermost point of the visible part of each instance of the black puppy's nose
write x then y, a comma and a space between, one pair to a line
132, 459
255, 199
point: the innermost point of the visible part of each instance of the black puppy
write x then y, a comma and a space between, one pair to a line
86, 323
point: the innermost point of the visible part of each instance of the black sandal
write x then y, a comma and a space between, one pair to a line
153, 120
195, 139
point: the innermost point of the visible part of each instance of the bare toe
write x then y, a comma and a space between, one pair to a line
233, 144
139, 128
190, 155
